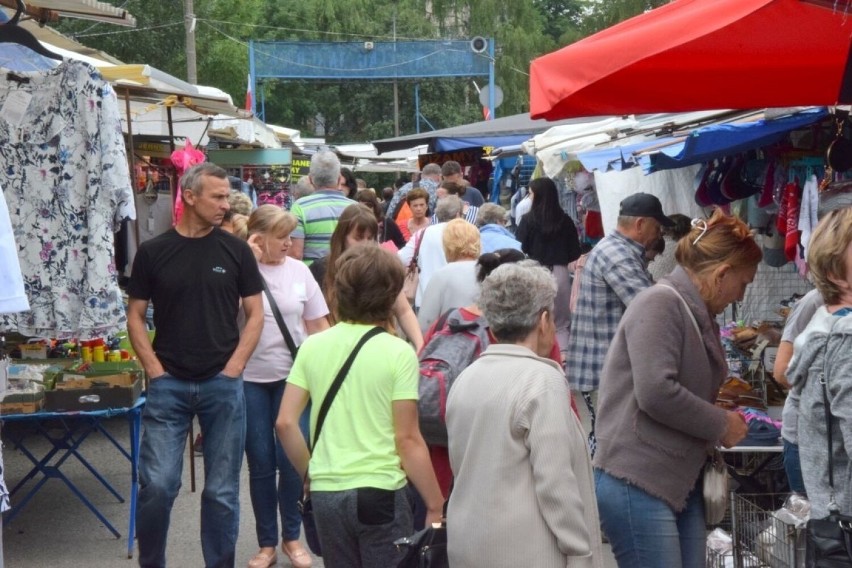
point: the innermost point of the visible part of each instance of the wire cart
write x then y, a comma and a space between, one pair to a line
760, 540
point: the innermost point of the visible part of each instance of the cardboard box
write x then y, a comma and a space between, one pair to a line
93, 398
86, 381
7, 408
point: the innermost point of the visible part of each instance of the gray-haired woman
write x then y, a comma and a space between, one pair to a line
517, 450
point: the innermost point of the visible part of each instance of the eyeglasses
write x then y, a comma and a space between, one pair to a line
701, 224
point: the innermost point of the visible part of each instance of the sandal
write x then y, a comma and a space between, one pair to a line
299, 557
263, 559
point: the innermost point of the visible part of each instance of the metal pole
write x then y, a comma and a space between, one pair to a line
417, 106
189, 23
262, 104
491, 97
131, 156
395, 86
253, 75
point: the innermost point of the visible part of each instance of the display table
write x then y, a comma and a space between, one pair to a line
75, 427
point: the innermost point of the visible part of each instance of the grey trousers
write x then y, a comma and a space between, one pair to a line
357, 527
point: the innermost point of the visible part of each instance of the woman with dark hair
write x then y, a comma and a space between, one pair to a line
388, 229
358, 224
665, 261
370, 445
348, 181
548, 235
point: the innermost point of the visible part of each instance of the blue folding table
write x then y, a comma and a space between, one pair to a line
76, 427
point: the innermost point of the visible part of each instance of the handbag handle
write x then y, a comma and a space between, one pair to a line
279, 319
338, 381
417, 241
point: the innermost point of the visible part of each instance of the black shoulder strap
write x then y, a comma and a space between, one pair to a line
823, 379
288, 339
338, 381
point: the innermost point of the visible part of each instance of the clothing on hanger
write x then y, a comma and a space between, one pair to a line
63, 167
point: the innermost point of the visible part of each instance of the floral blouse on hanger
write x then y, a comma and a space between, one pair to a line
63, 168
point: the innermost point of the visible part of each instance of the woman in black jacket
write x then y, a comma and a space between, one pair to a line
548, 235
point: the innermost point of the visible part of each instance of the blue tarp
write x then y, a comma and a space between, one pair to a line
701, 145
451, 144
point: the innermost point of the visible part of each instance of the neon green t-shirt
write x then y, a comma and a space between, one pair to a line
357, 446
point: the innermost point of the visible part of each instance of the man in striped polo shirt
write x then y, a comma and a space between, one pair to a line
317, 214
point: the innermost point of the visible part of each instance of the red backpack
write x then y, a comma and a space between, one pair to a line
455, 344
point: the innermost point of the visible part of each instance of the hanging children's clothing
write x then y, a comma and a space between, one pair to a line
63, 166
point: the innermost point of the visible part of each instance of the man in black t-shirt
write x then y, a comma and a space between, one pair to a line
195, 275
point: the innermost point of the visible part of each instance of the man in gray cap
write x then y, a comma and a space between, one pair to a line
613, 275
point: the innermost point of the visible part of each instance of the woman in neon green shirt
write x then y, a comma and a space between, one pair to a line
370, 441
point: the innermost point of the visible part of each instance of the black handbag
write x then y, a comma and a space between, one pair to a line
305, 505
425, 549
829, 540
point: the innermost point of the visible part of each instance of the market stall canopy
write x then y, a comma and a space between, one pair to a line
562, 144
505, 131
700, 54
365, 158
81, 9
699, 145
61, 44
243, 132
147, 84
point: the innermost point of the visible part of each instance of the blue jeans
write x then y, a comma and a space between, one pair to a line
265, 457
220, 406
644, 531
793, 468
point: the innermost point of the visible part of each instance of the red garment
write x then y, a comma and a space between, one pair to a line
594, 225
793, 198
439, 454
182, 161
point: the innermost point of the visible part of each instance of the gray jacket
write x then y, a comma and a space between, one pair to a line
656, 413
833, 335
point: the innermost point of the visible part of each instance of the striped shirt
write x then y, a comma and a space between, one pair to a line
317, 216
469, 216
614, 273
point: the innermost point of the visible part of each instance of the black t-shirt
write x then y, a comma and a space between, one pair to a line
195, 285
557, 249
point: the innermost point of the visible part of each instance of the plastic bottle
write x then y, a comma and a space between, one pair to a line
98, 353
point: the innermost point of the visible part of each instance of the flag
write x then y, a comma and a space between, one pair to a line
248, 94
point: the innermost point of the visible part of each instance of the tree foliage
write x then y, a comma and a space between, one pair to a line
355, 110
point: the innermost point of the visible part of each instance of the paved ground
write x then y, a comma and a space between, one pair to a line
55, 530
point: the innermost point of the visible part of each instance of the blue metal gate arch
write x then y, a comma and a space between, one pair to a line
364, 60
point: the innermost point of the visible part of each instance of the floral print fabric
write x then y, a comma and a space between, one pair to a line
63, 169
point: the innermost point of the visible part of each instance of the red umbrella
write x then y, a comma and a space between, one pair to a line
699, 55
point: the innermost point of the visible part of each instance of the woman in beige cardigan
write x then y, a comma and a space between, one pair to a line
523, 493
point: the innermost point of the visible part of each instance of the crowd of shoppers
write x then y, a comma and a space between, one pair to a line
253, 328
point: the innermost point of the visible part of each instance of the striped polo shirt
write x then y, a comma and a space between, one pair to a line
317, 216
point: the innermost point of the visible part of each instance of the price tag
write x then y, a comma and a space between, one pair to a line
15, 107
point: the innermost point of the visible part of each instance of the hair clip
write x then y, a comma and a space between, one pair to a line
701, 224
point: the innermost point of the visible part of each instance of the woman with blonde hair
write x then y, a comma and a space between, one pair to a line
357, 224
657, 420
820, 369
454, 285
297, 297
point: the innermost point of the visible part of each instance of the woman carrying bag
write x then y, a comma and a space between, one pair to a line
370, 439
293, 307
